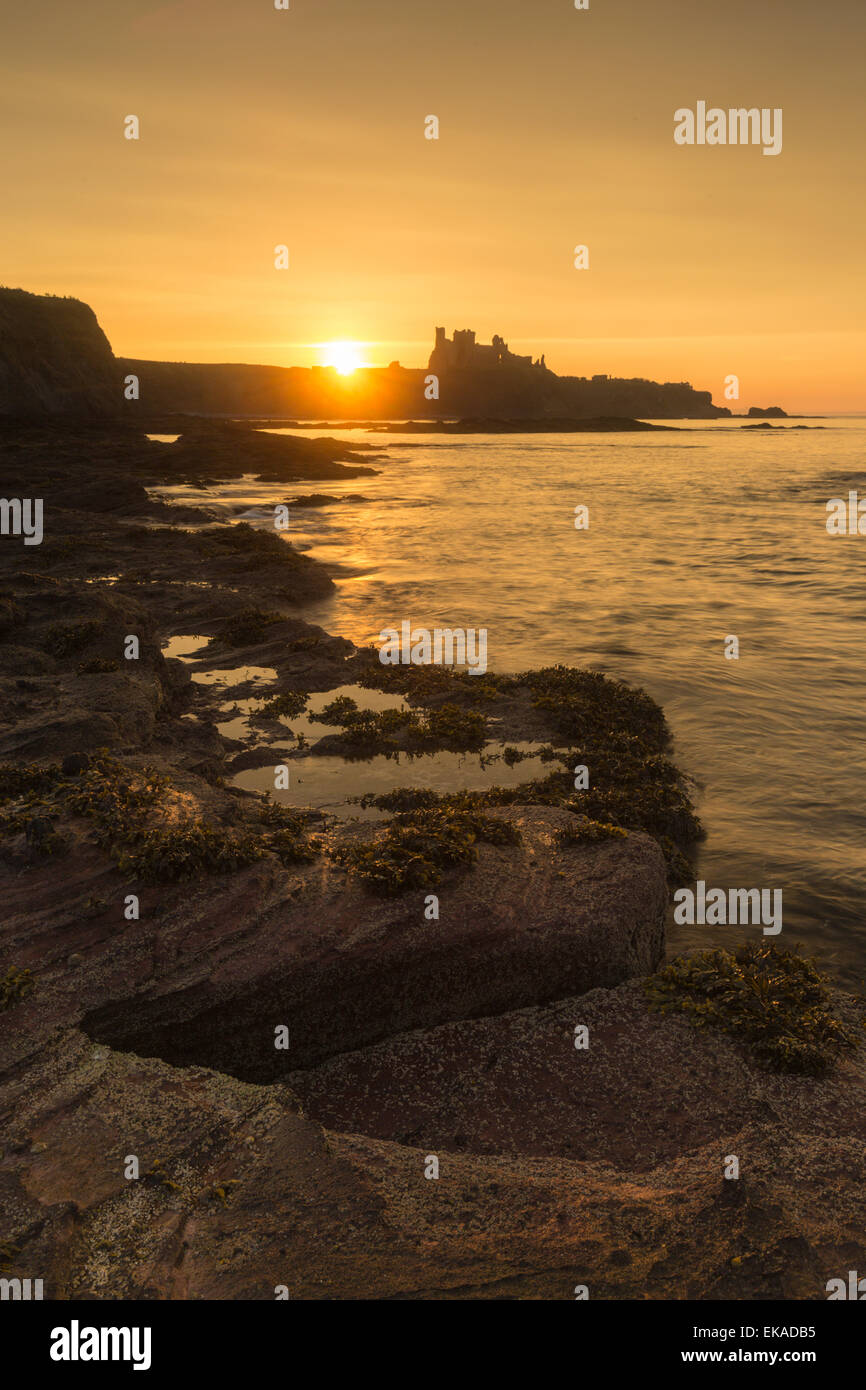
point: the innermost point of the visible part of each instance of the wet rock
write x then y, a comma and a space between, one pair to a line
324, 499
213, 447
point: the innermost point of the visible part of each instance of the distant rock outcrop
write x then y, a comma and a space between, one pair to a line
54, 358
771, 411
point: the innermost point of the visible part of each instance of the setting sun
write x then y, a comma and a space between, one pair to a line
345, 356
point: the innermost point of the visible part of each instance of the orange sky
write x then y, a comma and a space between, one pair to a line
306, 127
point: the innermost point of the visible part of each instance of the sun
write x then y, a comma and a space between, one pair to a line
344, 355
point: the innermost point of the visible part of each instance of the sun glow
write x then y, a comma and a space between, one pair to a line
345, 356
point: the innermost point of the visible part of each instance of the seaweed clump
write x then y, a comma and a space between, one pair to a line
582, 830
400, 799
289, 705
98, 666
62, 639
617, 731
132, 821
416, 847
246, 629
15, 985
587, 705
429, 681
773, 1000
286, 833
628, 793
185, 849
366, 732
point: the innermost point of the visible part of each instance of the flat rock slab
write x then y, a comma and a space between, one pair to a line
647, 1089
341, 968
245, 1194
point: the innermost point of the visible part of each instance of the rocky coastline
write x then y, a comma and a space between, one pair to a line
161, 925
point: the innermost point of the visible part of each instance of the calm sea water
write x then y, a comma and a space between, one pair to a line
693, 537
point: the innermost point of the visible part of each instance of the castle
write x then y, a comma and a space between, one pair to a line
462, 353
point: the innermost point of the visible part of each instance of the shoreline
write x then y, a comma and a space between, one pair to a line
550, 914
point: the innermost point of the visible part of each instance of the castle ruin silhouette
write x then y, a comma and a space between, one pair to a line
462, 353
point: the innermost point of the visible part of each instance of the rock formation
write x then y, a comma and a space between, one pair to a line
55, 358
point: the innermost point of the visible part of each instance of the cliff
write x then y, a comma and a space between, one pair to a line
54, 358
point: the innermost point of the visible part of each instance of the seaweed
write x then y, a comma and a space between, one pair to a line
126, 808
221, 1192
250, 545
774, 1001
186, 849
15, 985
420, 684
62, 639
339, 711
587, 705
582, 830
616, 730
416, 847
290, 704
97, 666
400, 799
393, 730
246, 629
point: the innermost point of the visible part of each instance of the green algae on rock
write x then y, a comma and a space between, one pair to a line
98, 666
64, 638
774, 1001
365, 733
246, 629
185, 849
417, 846
585, 703
289, 705
616, 731
142, 822
584, 831
15, 985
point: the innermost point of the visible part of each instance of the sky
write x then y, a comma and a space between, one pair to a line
306, 128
